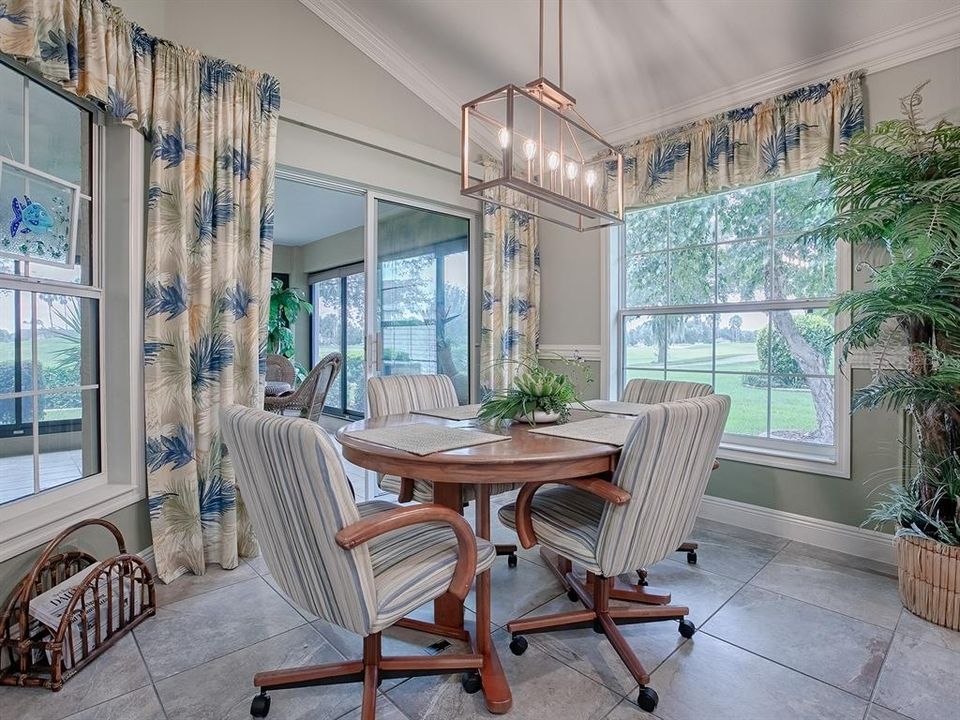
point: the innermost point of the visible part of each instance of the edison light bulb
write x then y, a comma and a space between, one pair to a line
504, 137
572, 170
590, 178
553, 160
529, 149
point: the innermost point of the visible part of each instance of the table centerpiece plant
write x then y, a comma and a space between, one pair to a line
537, 395
896, 191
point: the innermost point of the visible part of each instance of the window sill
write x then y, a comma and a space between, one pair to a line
810, 463
33, 521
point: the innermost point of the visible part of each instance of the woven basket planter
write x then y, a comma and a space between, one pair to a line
929, 579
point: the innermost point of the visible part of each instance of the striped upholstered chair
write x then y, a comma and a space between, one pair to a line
361, 567
635, 520
648, 392
397, 394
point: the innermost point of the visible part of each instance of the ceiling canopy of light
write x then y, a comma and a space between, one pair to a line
543, 158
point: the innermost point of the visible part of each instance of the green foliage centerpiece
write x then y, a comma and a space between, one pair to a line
897, 192
538, 395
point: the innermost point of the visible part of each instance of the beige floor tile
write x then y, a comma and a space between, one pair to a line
193, 631
222, 689
919, 680
140, 704
924, 630
543, 689
834, 648
865, 595
710, 679
188, 584
118, 671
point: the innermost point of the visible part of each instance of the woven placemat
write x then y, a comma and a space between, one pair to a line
611, 407
606, 430
425, 438
459, 412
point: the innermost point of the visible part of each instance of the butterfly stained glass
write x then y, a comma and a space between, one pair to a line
38, 215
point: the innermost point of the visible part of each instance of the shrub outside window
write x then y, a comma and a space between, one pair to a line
717, 290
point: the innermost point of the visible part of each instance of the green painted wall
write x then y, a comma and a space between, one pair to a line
133, 521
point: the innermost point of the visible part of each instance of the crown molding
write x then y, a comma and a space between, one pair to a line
922, 38
379, 48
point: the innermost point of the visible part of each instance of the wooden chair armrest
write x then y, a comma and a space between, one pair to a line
370, 527
603, 489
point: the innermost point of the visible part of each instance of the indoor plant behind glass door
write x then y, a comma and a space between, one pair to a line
898, 191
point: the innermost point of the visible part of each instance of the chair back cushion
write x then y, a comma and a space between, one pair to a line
297, 497
323, 375
650, 392
280, 369
393, 394
664, 465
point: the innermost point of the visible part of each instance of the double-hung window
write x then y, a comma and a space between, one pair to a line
50, 290
718, 290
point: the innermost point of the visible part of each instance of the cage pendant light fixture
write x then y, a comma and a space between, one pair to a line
539, 155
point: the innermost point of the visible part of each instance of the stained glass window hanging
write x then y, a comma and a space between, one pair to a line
38, 215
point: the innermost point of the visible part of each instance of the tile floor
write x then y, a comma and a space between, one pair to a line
787, 631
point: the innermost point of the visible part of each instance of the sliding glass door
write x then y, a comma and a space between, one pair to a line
338, 326
422, 290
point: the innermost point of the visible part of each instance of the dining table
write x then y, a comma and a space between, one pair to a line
525, 457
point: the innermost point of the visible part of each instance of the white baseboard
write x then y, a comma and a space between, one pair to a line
822, 533
148, 557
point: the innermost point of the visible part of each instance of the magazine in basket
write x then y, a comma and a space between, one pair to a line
83, 635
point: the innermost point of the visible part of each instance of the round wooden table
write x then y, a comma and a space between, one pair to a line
526, 457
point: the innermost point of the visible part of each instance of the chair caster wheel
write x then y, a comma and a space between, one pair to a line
260, 706
470, 682
687, 628
692, 557
572, 595
512, 560
519, 644
648, 699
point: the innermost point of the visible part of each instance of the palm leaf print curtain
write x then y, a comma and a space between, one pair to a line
510, 312
212, 129
781, 136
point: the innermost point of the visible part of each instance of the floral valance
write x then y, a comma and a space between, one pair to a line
784, 135
90, 49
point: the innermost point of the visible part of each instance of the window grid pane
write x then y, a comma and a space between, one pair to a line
50, 422
737, 247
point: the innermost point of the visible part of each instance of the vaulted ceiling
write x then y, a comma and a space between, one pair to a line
638, 65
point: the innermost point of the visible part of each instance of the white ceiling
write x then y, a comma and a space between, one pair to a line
637, 64
304, 213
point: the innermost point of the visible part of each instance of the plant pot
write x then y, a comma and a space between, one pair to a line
541, 417
929, 574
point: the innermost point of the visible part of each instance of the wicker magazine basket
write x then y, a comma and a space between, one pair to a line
929, 579
33, 655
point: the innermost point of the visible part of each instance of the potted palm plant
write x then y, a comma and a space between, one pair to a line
286, 304
897, 191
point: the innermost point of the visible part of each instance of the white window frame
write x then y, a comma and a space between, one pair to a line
118, 164
831, 460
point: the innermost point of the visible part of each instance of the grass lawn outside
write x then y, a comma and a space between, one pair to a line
791, 410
